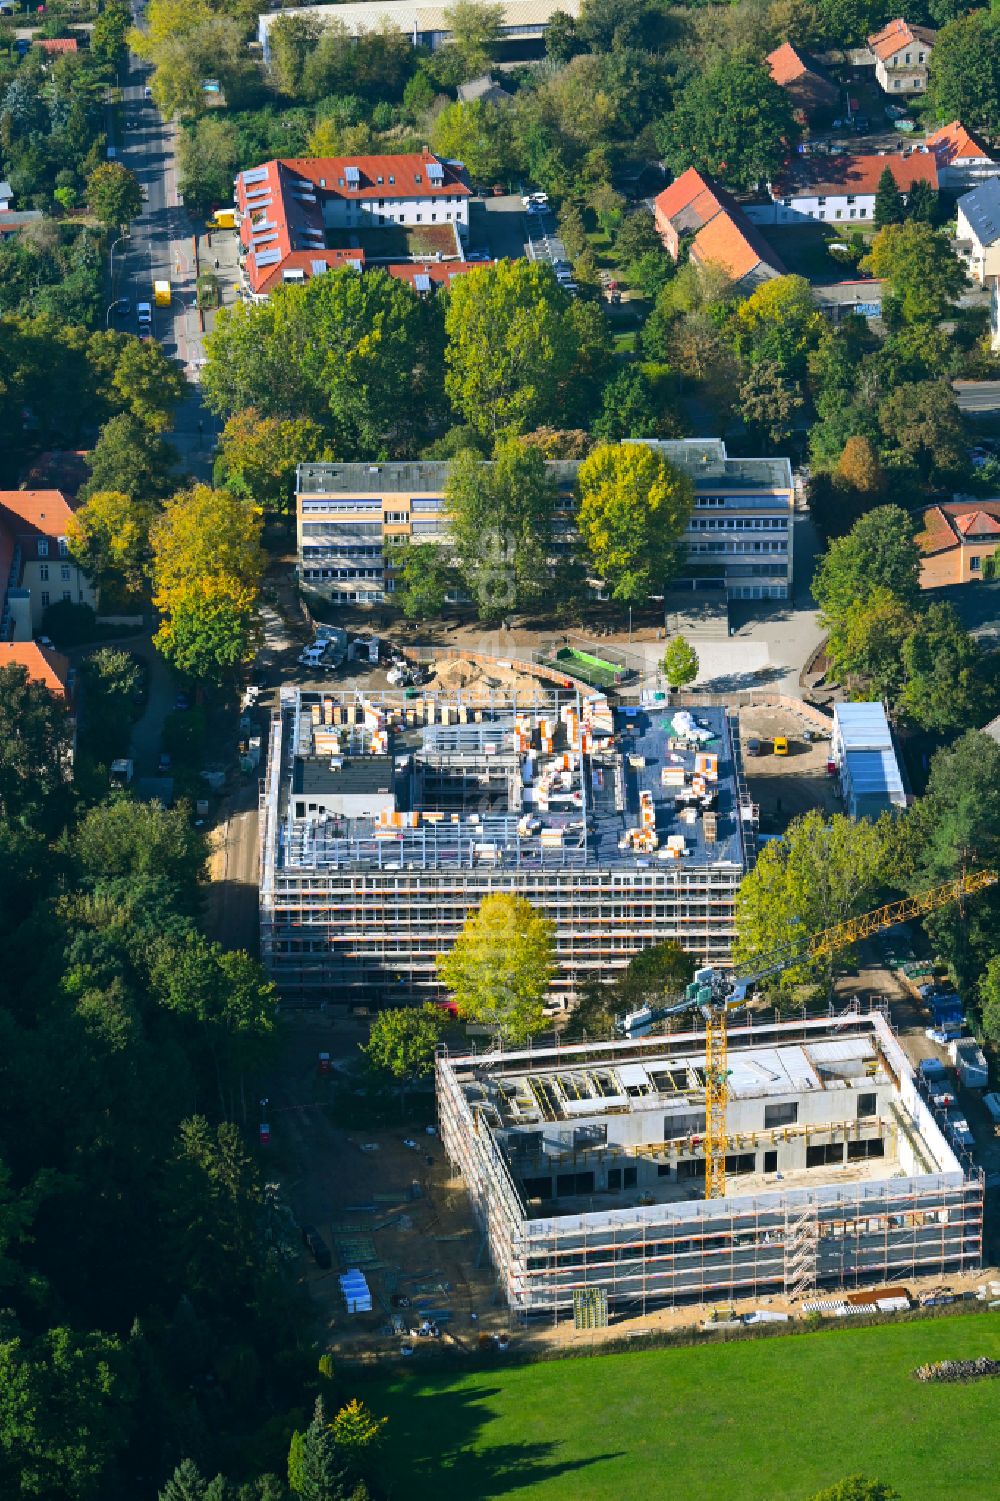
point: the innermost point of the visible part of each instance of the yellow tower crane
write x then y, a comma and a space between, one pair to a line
716, 994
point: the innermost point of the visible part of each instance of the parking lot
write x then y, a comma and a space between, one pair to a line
785, 786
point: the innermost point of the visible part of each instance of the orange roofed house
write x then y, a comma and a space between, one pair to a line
902, 57
955, 539
303, 216
962, 158
838, 189
36, 569
803, 80
695, 208
43, 665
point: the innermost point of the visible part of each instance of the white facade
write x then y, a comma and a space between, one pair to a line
905, 72
977, 244
425, 25
372, 213
841, 207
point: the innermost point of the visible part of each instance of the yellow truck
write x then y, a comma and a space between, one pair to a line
224, 218
161, 293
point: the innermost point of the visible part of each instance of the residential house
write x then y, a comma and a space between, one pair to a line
300, 217
43, 665
955, 538
520, 21
977, 233
36, 569
902, 56
962, 158
811, 90
696, 211
6, 198
739, 537
839, 187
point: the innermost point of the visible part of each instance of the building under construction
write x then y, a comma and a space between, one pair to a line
386, 819
586, 1168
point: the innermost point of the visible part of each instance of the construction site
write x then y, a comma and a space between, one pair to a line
386, 818
585, 1168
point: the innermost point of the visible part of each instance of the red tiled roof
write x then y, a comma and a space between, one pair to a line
306, 261
896, 35
56, 44
441, 273
978, 523
834, 176
732, 242
282, 204
43, 665
785, 64
36, 513
947, 525
953, 143
693, 193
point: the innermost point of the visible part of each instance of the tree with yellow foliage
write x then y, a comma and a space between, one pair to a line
109, 537
633, 508
207, 568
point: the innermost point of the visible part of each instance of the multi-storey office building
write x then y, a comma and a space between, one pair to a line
739, 537
586, 1167
385, 820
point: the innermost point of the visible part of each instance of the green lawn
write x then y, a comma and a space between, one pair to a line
763, 1421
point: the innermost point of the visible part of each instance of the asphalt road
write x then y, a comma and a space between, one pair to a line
161, 248
977, 395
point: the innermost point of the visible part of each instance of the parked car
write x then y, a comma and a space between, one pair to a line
754, 746
317, 1247
182, 701
144, 313
147, 92
781, 745
164, 764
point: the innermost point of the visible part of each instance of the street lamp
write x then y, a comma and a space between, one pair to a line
126, 236
107, 315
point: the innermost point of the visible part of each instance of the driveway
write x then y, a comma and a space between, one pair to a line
147, 732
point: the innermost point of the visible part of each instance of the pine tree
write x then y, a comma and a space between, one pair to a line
186, 1483
316, 1467
889, 206
922, 203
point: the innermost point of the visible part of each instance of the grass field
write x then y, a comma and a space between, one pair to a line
765, 1421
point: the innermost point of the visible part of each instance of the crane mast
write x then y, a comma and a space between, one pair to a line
714, 994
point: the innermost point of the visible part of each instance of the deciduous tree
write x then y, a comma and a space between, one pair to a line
511, 346
821, 872
114, 194
633, 508
731, 120
424, 574
965, 71
501, 519
878, 553
922, 420
923, 272
946, 688
857, 1488
499, 968
34, 747
260, 456
477, 133
475, 33
769, 402
680, 662
109, 537
403, 1041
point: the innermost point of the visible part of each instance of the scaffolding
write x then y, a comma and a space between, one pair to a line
610, 848
924, 1216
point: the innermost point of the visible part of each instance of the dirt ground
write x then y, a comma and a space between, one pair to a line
786, 786
383, 1199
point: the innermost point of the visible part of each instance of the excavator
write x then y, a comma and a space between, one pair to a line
714, 994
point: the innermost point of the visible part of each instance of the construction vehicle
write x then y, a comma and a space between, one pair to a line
715, 994
161, 293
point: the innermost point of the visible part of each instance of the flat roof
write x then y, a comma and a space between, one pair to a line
513, 788
355, 774
704, 460
862, 726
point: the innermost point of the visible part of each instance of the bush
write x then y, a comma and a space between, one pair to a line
69, 624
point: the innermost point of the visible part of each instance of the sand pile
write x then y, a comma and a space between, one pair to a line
476, 679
